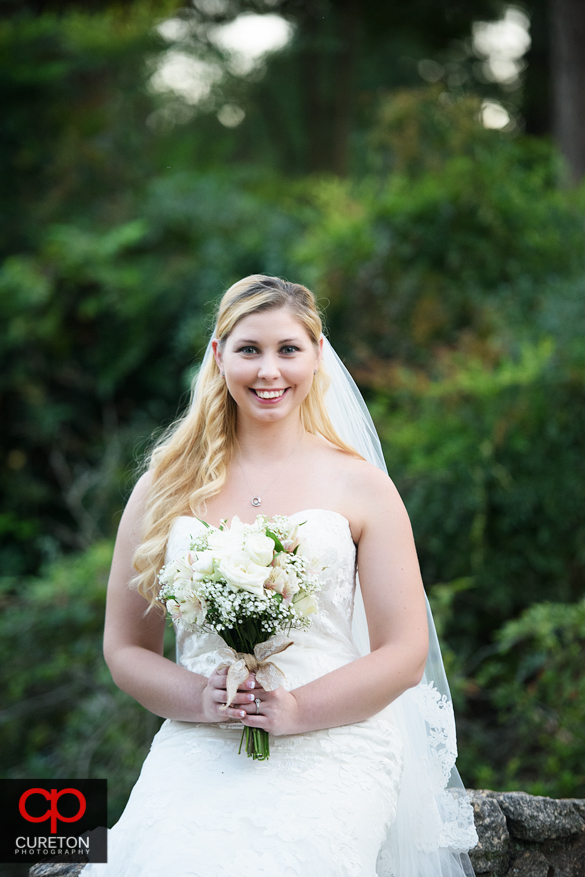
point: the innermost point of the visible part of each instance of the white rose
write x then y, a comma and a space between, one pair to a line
241, 572
305, 605
259, 548
202, 566
218, 541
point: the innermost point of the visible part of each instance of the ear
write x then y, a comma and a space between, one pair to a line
217, 353
319, 352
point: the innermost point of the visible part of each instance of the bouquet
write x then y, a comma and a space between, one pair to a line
251, 584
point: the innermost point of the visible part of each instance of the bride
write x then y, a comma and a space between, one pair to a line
361, 778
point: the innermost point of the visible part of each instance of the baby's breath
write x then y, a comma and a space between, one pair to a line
230, 604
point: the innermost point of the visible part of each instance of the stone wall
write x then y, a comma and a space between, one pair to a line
520, 835
523, 835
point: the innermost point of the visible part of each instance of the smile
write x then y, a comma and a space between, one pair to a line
269, 394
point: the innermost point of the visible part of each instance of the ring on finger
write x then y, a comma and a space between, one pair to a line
257, 701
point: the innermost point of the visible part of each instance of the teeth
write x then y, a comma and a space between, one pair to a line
269, 394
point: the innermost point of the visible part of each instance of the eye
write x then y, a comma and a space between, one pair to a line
289, 348
248, 349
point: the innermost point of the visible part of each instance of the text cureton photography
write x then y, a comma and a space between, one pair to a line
56, 820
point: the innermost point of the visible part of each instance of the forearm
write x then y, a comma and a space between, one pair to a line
161, 686
357, 690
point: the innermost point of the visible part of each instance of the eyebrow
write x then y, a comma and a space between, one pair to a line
253, 341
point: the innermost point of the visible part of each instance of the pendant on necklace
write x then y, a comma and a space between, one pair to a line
256, 500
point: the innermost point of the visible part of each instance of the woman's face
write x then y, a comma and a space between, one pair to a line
269, 363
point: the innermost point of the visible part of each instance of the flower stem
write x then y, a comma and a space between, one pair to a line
256, 742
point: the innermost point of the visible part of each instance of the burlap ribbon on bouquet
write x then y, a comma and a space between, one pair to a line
240, 664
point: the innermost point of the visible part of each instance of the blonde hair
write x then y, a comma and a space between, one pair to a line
189, 463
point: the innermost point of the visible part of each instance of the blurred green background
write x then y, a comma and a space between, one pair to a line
403, 161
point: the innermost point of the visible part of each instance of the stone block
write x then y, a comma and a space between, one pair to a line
56, 869
490, 822
538, 819
529, 864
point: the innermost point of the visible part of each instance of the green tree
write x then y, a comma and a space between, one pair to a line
534, 687
62, 715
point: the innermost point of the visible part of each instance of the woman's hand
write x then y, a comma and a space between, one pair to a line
276, 711
215, 695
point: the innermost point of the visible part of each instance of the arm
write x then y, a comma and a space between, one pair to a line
395, 608
133, 642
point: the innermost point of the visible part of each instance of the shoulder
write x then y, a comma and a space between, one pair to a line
141, 492
373, 496
365, 479
142, 487
359, 477
367, 495
136, 507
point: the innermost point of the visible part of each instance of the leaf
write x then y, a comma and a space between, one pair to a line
277, 543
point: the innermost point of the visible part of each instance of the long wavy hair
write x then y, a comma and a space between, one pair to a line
189, 463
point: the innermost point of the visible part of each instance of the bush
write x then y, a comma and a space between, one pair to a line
440, 249
472, 453
62, 714
535, 685
102, 325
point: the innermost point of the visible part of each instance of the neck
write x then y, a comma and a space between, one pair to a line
261, 443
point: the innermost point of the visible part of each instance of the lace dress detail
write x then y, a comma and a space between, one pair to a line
325, 803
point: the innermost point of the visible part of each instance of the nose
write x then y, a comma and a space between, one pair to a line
268, 369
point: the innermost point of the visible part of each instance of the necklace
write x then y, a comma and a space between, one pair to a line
257, 499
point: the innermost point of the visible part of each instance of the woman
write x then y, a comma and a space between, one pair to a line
355, 784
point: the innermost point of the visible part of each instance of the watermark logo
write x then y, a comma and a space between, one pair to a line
53, 820
52, 813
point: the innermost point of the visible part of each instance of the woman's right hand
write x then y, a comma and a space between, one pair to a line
215, 695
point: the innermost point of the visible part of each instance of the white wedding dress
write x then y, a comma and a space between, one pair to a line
325, 803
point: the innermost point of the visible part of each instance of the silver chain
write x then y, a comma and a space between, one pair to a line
257, 499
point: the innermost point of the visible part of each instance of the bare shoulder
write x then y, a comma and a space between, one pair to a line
129, 537
141, 488
131, 522
367, 480
126, 621
372, 496
367, 496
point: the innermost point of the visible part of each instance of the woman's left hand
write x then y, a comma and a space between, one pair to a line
273, 711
